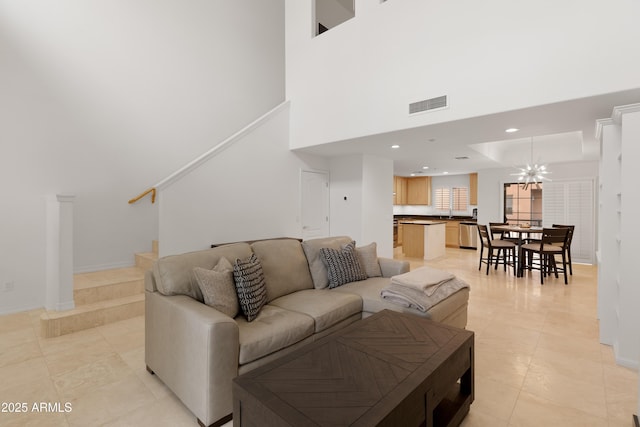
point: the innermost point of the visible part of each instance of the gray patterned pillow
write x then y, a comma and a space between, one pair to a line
343, 266
368, 257
250, 286
218, 288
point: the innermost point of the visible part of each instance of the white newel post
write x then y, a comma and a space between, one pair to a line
59, 252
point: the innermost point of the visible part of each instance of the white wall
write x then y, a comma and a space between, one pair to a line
445, 181
498, 55
360, 198
377, 199
103, 99
627, 345
346, 196
250, 190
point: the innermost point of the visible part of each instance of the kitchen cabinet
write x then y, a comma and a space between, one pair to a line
419, 190
452, 234
400, 234
473, 189
399, 190
424, 239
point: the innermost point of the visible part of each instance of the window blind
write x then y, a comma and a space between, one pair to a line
460, 198
571, 202
442, 199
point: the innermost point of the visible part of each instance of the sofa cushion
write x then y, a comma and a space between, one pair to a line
284, 265
368, 257
249, 280
342, 265
218, 287
274, 329
316, 265
325, 306
174, 273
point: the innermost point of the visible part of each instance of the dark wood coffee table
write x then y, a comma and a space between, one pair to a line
390, 369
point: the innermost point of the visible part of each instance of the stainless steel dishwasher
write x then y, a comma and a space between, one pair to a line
468, 235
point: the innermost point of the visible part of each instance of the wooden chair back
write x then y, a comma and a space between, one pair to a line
485, 238
571, 229
554, 236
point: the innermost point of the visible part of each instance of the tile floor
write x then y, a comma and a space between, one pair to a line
538, 362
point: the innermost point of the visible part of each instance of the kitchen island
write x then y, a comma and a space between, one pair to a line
423, 239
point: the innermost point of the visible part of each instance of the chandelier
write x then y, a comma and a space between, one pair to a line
532, 173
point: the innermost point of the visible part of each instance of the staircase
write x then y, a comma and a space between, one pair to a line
102, 297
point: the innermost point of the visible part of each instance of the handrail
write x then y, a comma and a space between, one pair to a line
204, 157
141, 195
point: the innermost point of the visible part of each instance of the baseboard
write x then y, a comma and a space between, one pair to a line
100, 267
12, 310
627, 363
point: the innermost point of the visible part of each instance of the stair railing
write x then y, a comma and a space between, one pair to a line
141, 195
206, 156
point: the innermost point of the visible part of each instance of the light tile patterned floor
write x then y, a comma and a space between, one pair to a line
538, 361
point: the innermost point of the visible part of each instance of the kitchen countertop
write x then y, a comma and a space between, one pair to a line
420, 222
401, 218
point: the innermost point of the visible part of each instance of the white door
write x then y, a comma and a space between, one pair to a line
315, 204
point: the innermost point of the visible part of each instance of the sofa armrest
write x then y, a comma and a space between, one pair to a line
392, 267
150, 281
193, 349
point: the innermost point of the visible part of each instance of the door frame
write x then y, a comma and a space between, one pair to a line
328, 200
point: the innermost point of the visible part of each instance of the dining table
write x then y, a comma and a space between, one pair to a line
522, 232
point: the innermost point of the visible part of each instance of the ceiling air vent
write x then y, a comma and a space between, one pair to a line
428, 105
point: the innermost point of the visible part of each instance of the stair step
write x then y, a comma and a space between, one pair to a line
55, 323
104, 285
145, 260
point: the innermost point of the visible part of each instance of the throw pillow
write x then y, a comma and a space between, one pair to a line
368, 257
218, 288
250, 286
343, 265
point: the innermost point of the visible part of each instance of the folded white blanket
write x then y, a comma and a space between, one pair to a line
412, 298
424, 279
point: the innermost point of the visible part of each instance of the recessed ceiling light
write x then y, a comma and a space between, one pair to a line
425, 167
445, 172
395, 146
511, 130
413, 174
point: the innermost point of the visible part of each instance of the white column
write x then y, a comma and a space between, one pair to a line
59, 252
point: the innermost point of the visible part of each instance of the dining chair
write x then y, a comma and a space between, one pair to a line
508, 249
568, 246
552, 243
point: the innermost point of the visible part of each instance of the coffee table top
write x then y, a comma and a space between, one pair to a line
356, 374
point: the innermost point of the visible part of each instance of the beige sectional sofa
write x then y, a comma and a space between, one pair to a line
197, 350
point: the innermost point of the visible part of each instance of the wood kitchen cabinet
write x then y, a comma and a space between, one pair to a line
419, 190
399, 190
400, 234
452, 234
473, 189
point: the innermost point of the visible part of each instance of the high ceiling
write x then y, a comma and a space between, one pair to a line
560, 132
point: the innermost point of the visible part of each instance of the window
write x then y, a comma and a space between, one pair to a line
331, 13
460, 198
442, 199
523, 206
456, 198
